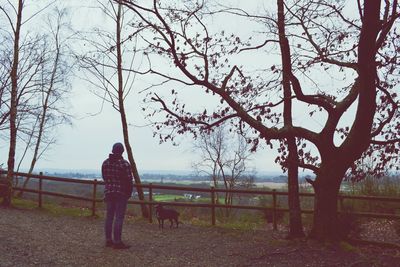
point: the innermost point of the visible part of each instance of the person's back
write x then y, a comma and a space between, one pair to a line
116, 172
117, 176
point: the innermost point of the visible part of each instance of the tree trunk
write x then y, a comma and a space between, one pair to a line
295, 223
13, 108
326, 186
25, 183
145, 212
139, 190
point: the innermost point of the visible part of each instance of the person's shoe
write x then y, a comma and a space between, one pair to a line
109, 243
121, 246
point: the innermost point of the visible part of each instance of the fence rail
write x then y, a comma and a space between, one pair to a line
212, 191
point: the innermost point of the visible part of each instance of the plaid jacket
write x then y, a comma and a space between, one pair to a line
117, 175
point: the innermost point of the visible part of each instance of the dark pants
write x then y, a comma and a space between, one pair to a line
116, 208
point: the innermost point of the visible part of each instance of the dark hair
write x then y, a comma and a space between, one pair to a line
118, 148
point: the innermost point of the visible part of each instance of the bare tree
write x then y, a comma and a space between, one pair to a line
106, 65
225, 158
53, 87
13, 98
24, 72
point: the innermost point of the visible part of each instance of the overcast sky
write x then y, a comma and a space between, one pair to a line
96, 126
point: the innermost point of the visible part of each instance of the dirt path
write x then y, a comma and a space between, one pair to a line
35, 238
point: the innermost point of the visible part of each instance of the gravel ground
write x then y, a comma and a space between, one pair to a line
37, 238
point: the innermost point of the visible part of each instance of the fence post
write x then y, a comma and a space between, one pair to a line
94, 197
40, 190
274, 209
151, 205
213, 205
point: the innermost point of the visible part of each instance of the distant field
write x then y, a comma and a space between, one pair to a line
271, 185
183, 182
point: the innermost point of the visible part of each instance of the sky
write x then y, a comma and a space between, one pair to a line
85, 144
96, 125
89, 141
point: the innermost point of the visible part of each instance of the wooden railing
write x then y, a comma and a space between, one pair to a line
212, 191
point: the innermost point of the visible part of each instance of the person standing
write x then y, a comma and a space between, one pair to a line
117, 175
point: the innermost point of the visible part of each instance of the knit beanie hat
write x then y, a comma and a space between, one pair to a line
118, 148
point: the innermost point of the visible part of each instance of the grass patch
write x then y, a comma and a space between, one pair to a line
67, 211
52, 208
24, 203
167, 197
243, 221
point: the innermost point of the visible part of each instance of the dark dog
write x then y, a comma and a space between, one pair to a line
164, 214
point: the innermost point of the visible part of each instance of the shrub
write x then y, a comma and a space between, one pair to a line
372, 186
388, 186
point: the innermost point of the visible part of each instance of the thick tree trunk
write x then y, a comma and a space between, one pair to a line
326, 186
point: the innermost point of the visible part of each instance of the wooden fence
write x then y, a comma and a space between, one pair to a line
211, 191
